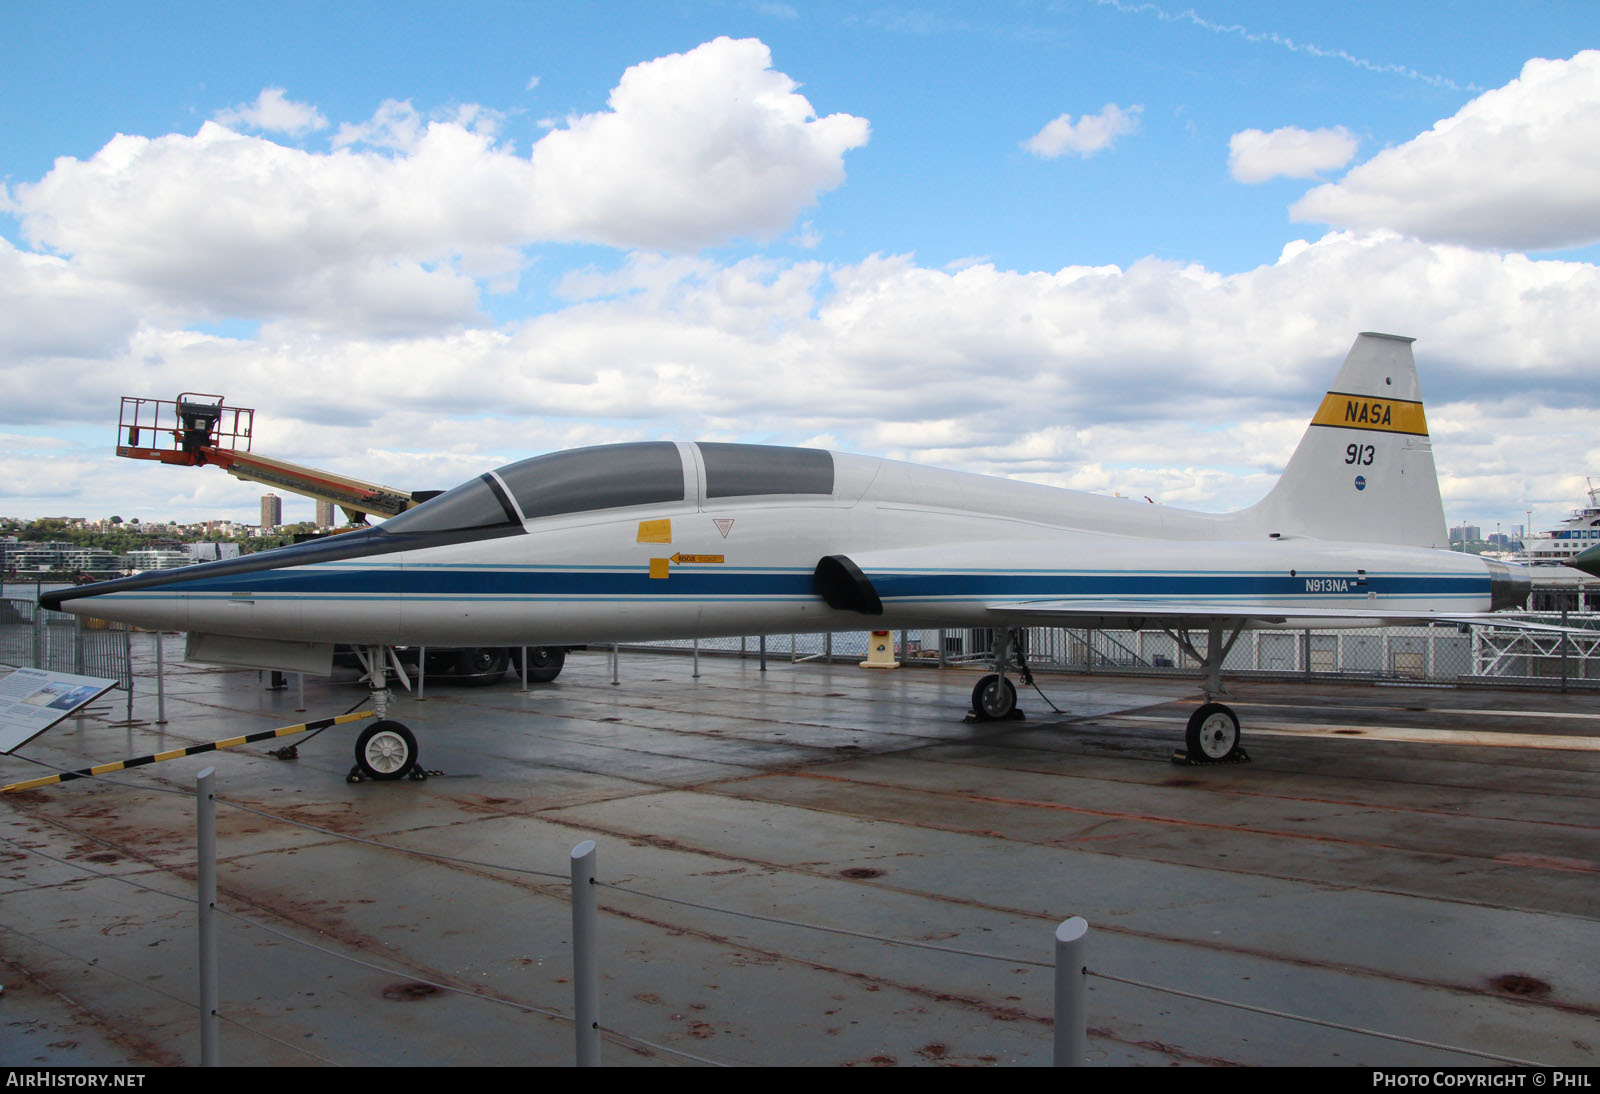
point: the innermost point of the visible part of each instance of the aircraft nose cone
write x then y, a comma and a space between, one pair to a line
1588, 561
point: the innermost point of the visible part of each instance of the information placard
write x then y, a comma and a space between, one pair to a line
33, 700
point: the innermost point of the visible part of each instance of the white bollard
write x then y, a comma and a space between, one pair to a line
585, 955
1072, 1038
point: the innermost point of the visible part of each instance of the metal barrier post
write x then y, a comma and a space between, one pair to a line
161, 683
616, 659
763, 653
696, 673
1564, 637
585, 955
205, 812
1072, 1038
127, 661
942, 654
77, 644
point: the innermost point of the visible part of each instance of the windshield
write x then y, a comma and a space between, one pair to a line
476, 504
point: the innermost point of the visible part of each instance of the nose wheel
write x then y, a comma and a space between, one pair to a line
385, 751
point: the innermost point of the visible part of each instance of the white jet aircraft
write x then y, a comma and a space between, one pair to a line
660, 540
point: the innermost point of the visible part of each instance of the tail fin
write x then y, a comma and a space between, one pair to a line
1364, 469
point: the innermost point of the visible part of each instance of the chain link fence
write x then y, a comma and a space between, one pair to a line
1433, 653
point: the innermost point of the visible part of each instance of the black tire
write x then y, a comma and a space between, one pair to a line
480, 666
545, 663
386, 750
1213, 734
991, 703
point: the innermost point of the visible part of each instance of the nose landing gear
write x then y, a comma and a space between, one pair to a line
386, 750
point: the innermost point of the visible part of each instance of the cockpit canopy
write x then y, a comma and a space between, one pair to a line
613, 477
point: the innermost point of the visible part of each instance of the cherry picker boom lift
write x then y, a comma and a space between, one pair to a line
197, 429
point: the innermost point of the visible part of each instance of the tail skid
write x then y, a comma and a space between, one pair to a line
1364, 469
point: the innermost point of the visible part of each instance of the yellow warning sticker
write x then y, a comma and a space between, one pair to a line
697, 558
655, 531
660, 567
1365, 412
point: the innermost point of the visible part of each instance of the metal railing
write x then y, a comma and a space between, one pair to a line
35, 637
1433, 653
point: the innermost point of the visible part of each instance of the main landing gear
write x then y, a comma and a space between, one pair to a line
1212, 736
994, 699
386, 749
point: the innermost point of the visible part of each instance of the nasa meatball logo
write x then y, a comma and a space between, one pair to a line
1361, 482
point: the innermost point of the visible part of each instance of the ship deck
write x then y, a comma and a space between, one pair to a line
818, 864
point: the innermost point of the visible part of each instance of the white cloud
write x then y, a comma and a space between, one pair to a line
696, 148
1089, 134
274, 112
394, 231
1517, 167
1290, 152
1160, 378
48, 307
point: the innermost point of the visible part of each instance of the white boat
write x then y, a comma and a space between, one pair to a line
1576, 534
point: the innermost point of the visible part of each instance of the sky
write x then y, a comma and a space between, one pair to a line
1103, 244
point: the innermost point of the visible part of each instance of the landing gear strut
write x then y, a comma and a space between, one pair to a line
995, 698
386, 749
1212, 735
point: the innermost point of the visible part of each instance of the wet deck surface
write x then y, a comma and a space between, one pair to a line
1422, 861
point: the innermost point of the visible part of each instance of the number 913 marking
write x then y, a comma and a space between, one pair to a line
1359, 454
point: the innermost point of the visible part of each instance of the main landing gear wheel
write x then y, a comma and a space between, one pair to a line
545, 663
386, 750
482, 665
1213, 735
991, 702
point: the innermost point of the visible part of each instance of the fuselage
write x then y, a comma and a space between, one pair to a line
676, 540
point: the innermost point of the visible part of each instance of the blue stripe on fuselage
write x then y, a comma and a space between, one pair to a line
341, 582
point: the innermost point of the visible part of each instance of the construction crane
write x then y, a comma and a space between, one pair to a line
196, 429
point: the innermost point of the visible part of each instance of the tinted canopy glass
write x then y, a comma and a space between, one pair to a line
607, 477
739, 470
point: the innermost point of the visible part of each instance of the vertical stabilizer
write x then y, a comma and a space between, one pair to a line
1364, 469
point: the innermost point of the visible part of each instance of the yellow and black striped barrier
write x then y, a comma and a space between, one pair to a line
192, 750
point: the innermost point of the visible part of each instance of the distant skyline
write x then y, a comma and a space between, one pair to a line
1104, 244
